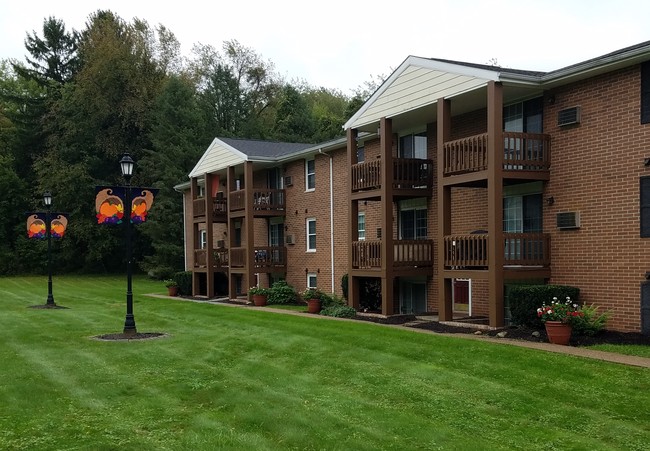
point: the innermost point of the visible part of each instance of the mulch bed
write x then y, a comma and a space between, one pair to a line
128, 337
513, 332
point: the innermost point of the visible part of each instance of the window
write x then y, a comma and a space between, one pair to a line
311, 235
645, 92
413, 219
413, 146
645, 207
203, 239
201, 192
311, 281
361, 154
310, 175
361, 226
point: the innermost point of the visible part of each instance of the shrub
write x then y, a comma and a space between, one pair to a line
591, 322
344, 285
184, 281
370, 298
526, 299
339, 311
331, 300
282, 293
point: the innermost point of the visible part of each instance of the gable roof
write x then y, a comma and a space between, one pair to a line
420, 82
224, 152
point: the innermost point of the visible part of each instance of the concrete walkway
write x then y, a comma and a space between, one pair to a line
587, 353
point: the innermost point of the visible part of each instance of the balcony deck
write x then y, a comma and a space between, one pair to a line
267, 258
525, 156
266, 202
411, 177
219, 209
413, 256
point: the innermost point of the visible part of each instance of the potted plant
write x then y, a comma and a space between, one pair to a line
172, 287
260, 295
558, 318
313, 297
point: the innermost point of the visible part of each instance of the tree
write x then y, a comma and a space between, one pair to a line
178, 136
294, 122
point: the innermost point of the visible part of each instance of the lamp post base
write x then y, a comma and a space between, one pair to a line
129, 325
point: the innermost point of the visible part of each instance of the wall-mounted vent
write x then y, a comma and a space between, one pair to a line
291, 239
568, 220
288, 181
221, 244
568, 116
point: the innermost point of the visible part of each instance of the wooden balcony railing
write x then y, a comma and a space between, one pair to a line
520, 249
407, 253
413, 253
270, 257
266, 257
412, 173
366, 254
263, 199
220, 258
526, 151
521, 151
219, 207
198, 207
408, 173
366, 175
466, 155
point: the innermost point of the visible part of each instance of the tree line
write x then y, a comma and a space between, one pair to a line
83, 98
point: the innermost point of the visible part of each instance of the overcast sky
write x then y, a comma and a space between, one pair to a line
342, 44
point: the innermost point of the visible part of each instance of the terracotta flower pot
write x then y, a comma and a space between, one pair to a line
313, 305
172, 291
558, 332
260, 300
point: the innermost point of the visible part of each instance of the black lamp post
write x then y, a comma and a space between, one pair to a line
47, 200
126, 164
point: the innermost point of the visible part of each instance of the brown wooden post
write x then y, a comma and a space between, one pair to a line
209, 236
445, 304
250, 227
353, 213
386, 220
194, 239
230, 184
495, 203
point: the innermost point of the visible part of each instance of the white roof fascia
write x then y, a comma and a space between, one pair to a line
215, 142
426, 63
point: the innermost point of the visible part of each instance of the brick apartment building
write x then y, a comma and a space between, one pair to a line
460, 180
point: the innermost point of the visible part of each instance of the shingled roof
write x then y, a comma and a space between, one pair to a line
265, 149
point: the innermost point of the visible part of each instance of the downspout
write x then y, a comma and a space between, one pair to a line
331, 214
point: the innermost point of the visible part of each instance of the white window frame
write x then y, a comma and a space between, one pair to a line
312, 277
310, 174
308, 235
361, 233
203, 239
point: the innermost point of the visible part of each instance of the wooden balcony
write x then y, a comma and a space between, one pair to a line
219, 209
406, 254
410, 175
267, 258
525, 155
520, 249
220, 258
266, 202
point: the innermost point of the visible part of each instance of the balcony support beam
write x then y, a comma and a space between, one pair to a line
445, 305
495, 203
353, 213
386, 219
230, 186
209, 234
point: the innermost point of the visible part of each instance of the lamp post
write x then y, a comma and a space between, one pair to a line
126, 165
47, 200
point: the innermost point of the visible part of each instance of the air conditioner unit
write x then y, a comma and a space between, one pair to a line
568, 220
221, 244
568, 116
291, 239
288, 181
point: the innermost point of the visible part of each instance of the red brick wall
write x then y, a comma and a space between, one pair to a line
596, 166
302, 204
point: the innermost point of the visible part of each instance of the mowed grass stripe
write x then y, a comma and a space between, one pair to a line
229, 378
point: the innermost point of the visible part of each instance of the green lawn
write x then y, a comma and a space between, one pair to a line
236, 378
